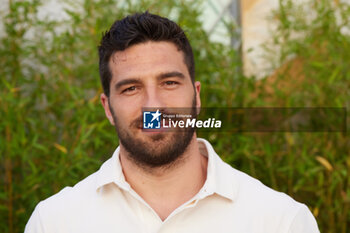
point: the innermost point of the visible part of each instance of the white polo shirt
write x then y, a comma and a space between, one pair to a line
229, 201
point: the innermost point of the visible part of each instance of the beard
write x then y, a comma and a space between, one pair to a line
154, 151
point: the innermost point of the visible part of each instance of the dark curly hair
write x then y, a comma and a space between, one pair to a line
140, 28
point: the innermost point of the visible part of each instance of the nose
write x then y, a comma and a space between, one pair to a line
152, 98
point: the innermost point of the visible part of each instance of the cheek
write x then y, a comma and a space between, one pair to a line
126, 112
181, 98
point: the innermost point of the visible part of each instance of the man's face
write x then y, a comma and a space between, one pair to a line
151, 74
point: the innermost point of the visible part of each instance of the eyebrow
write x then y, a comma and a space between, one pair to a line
159, 77
126, 82
171, 74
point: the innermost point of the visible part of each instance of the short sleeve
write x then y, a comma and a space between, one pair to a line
304, 222
34, 224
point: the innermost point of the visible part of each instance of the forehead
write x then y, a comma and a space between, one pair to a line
147, 59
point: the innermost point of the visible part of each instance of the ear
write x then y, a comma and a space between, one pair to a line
197, 87
105, 104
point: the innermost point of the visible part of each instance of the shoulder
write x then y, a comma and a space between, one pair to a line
270, 206
69, 198
251, 190
254, 190
245, 189
59, 208
82, 190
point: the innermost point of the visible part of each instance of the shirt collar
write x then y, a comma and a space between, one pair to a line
111, 172
220, 179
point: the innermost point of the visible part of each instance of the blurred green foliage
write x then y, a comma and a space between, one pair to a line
53, 131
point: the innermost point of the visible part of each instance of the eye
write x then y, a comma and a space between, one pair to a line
129, 89
169, 83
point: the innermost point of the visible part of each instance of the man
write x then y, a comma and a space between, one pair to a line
161, 181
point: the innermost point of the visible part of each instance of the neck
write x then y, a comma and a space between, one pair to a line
168, 187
